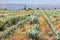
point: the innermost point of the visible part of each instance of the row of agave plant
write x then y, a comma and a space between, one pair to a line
54, 14
33, 31
57, 33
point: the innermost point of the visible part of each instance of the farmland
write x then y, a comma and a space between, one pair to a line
30, 25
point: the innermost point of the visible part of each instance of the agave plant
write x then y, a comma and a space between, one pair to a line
58, 36
33, 19
33, 31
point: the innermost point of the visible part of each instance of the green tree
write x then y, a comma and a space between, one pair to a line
37, 8
54, 8
29, 8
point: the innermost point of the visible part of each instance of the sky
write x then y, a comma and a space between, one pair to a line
30, 1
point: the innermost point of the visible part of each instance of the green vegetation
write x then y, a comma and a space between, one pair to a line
10, 29
12, 21
33, 31
37, 8
29, 9
52, 26
9, 21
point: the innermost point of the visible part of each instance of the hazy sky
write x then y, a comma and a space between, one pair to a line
31, 1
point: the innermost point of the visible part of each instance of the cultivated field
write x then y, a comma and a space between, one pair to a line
30, 25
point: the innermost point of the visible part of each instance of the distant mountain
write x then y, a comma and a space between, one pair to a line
50, 6
12, 6
44, 6
33, 6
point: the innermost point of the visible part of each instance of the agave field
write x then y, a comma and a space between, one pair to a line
30, 25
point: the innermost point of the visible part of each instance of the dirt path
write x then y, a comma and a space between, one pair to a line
45, 29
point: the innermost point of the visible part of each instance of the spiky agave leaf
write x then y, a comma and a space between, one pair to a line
37, 26
58, 37
33, 33
33, 19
